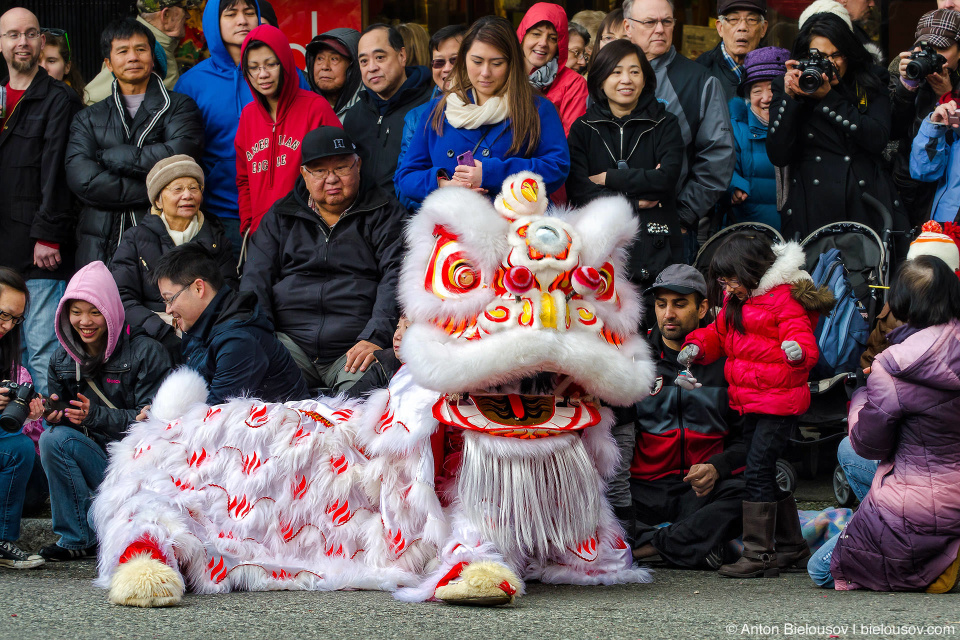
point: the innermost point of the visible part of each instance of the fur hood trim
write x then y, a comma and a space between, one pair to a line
786, 269
812, 297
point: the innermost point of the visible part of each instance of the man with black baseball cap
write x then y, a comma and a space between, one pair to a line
680, 449
324, 264
742, 24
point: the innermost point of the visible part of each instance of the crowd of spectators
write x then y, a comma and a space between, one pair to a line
244, 217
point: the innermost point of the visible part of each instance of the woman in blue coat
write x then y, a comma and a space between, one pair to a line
753, 190
491, 113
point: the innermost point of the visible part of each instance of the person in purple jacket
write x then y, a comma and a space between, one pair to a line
906, 534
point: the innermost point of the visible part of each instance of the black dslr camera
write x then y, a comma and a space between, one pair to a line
17, 410
924, 62
811, 69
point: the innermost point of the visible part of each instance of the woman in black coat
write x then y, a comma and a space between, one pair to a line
831, 139
627, 144
175, 187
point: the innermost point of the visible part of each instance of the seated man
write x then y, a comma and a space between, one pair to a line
680, 449
226, 338
324, 264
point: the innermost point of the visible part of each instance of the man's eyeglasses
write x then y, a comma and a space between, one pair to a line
440, 63
9, 317
270, 67
652, 24
735, 21
174, 297
14, 36
322, 174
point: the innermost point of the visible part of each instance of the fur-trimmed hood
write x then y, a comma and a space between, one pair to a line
788, 269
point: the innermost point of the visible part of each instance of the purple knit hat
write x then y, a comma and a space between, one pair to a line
763, 64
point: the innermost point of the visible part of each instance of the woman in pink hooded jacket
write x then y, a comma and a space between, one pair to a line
108, 372
765, 330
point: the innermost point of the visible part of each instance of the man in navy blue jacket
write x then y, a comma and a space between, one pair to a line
226, 338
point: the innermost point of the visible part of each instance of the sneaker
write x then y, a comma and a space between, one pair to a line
715, 559
56, 553
14, 557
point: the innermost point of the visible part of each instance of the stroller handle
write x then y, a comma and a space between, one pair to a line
882, 210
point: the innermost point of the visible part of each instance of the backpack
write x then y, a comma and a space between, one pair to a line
842, 334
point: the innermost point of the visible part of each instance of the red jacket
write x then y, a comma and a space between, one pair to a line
268, 152
568, 92
786, 306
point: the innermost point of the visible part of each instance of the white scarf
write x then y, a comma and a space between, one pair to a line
188, 234
473, 116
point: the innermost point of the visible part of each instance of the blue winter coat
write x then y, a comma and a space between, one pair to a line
409, 126
220, 90
934, 158
753, 173
428, 153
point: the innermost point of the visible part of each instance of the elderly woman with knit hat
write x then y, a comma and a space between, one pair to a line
175, 189
753, 190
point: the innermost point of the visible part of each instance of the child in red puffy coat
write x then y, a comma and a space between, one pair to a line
766, 331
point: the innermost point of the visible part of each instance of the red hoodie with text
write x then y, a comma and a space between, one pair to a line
268, 152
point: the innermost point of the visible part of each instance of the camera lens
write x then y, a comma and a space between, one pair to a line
810, 80
14, 416
919, 69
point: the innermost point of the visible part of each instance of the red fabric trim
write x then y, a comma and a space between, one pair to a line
453, 574
52, 245
507, 588
143, 544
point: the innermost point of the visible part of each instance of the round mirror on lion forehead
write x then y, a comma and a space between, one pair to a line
524, 196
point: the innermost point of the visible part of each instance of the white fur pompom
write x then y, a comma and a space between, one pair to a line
181, 390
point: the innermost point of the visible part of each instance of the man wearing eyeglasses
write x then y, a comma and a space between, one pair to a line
36, 215
742, 25
324, 264
699, 102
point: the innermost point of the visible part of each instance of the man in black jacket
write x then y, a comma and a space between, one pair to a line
115, 142
36, 215
324, 263
680, 448
226, 338
741, 25
376, 122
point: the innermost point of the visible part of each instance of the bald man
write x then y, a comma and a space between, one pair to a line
36, 215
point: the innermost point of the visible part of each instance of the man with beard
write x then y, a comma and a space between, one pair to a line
37, 215
680, 449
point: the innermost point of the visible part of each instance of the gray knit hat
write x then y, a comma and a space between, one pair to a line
168, 170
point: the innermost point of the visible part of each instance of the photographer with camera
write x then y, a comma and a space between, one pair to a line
17, 400
830, 122
934, 158
921, 77
107, 371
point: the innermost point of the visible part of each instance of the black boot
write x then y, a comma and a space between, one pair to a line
792, 549
759, 558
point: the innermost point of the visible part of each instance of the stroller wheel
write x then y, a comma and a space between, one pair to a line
841, 488
786, 476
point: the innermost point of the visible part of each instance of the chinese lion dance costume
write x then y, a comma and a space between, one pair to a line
483, 464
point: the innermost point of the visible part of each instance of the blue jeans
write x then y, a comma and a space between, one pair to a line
75, 466
16, 463
819, 564
39, 338
859, 471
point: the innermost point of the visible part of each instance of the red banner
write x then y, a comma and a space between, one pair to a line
301, 20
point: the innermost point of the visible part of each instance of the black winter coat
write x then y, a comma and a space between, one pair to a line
376, 127
833, 150
34, 203
648, 137
327, 288
129, 380
109, 156
717, 65
140, 250
233, 347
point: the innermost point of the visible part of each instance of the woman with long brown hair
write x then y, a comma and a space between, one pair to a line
488, 126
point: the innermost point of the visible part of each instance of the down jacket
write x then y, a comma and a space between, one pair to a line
753, 174
109, 155
906, 532
785, 306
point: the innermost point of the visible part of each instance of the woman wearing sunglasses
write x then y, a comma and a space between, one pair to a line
57, 60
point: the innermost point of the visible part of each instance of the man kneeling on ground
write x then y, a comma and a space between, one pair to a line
679, 449
225, 337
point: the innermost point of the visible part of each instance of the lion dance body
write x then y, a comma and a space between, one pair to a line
483, 464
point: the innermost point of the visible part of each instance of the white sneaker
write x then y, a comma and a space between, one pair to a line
13, 557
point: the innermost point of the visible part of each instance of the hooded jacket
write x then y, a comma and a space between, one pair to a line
350, 93
754, 173
568, 91
129, 370
268, 151
328, 288
906, 532
376, 126
218, 87
109, 155
233, 347
785, 306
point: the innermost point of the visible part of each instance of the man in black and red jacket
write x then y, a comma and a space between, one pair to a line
680, 449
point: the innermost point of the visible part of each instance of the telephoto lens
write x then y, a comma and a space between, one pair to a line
17, 410
924, 62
